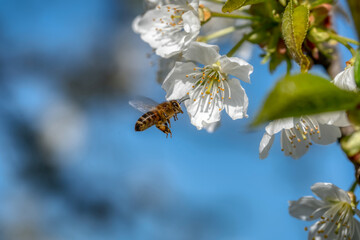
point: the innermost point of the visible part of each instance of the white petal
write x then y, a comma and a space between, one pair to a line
202, 53
329, 192
236, 67
328, 134
161, 36
194, 4
337, 118
135, 24
237, 106
201, 114
211, 127
295, 152
265, 145
319, 229
357, 230
307, 208
176, 84
277, 125
191, 25
165, 65
346, 80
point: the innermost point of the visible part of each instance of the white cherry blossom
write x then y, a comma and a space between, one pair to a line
169, 28
297, 134
209, 86
345, 79
335, 212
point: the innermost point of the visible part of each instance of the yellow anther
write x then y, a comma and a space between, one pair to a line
187, 75
305, 228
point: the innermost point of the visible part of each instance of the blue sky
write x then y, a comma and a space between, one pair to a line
214, 183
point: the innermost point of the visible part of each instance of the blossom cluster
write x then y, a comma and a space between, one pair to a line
197, 69
194, 70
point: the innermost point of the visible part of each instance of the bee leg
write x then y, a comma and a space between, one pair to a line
165, 118
164, 128
175, 117
168, 120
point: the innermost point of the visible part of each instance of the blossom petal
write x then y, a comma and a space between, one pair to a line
346, 80
194, 4
202, 53
135, 24
237, 67
328, 134
237, 105
337, 118
306, 208
201, 114
156, 28
277, 125
165, 65
176, 84
211, 127
356, 229
295, 152
329, 192
265, 145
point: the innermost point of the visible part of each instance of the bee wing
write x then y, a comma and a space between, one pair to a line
143, 104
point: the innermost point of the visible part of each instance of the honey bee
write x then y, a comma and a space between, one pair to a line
156, 114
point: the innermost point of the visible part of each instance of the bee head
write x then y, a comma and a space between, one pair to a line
176, 106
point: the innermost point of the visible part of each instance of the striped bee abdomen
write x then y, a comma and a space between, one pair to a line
146, 121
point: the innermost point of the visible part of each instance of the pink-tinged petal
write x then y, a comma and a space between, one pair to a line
237, 67
345, 79
265, 145
202, 53
329, 192
307, 208
278, 125
236, 106
328, 134
176, 83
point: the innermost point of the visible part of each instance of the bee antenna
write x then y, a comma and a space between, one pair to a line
186, 97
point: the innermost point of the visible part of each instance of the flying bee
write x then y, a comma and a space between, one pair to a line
157, 114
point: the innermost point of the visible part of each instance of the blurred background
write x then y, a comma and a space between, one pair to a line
72, 166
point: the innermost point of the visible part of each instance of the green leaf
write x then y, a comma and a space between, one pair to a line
304, 94
232, 5
357, 69
295, 24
